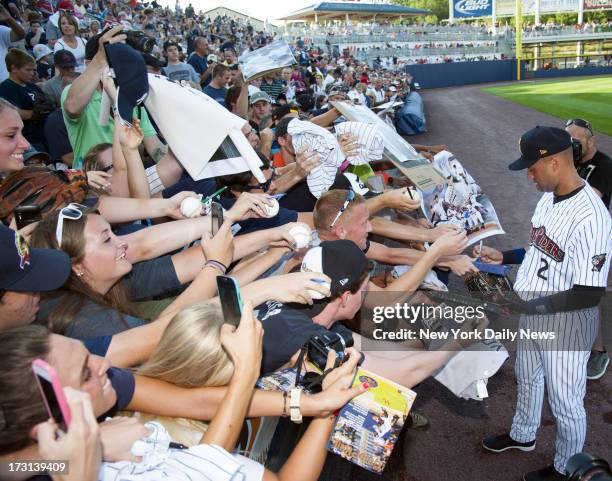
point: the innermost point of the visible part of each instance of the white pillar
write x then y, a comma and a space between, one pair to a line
316, 18
580, 12
537, 11
494, 16
451, 12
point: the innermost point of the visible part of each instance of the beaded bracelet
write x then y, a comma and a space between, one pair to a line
216, 265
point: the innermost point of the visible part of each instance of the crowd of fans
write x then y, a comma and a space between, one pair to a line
115, 286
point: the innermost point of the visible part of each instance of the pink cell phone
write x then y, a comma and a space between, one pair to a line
52, 393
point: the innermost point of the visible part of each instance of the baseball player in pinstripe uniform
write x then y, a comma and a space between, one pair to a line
561, 280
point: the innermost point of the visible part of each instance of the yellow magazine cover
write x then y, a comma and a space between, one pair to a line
367, 428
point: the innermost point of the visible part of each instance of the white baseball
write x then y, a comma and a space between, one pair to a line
272, 210
301, 236
415, 193
191, 206
316, 294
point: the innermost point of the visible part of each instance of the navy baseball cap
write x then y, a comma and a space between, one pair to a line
538, 143
30, 270
130, 78
64, 59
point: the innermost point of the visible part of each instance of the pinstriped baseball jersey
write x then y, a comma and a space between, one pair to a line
571, 240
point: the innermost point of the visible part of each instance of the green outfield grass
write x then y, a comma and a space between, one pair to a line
586, 97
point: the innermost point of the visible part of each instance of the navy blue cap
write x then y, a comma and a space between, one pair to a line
538, 143
130, 78
30, 270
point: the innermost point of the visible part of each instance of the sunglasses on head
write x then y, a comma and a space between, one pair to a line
265, 186
585, 124
72, 211
350, 196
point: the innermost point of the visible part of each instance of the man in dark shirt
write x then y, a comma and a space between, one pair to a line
272, 85
217, 88
198, 59
288, 327
596, 168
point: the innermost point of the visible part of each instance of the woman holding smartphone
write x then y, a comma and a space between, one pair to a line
227, 406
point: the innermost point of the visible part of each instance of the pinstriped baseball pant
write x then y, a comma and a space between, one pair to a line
560, 364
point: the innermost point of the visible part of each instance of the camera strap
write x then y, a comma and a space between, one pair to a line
311, 381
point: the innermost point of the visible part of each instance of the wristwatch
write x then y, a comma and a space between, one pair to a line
294, 406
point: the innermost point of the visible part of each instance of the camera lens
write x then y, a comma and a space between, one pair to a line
584, 466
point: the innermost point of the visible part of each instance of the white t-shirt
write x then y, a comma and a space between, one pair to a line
78, 52
5, 42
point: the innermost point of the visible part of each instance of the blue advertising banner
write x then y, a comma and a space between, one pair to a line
472, 8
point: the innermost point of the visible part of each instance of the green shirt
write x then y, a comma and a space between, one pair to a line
85, 131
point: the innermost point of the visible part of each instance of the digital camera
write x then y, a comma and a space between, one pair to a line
318, 347
585, 466
139, 41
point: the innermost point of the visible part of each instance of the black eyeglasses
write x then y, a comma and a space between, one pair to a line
349, 198
585, 124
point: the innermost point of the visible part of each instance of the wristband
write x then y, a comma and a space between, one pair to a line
285, 413
216, 265
294, 406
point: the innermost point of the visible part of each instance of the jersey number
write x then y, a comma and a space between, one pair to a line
543, 268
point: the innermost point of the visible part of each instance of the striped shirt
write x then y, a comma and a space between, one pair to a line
274, 89
571, 239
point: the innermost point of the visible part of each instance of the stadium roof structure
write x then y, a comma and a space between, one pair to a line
354, 10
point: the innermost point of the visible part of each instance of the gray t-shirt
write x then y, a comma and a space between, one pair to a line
182, 71
148, 278
53, 90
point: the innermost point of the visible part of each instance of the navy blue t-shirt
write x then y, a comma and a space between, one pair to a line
199, 64
216, 94
286, 330
23, 97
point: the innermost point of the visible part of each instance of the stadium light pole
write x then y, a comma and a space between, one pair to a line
518, 23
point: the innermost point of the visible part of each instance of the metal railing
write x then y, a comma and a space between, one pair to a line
568, 61
411, 33
424, 52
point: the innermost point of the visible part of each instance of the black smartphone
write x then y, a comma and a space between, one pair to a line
26, 214
216, 214
231, 302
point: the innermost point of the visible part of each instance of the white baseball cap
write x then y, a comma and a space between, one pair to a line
41, 50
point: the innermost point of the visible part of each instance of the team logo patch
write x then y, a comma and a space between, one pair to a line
543, 151
545, 244
343, 282
22, 251
598, 262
